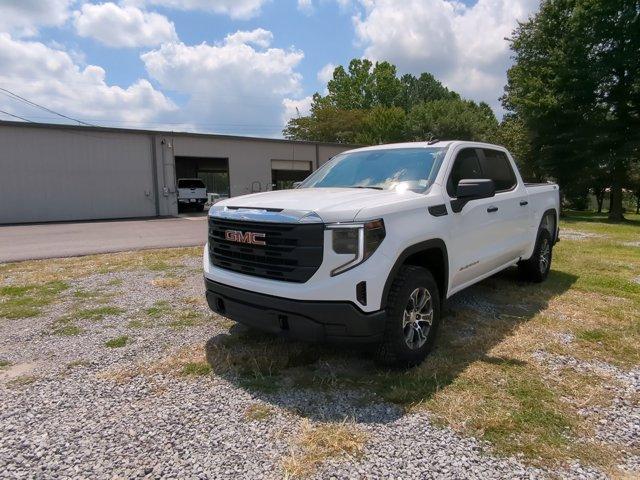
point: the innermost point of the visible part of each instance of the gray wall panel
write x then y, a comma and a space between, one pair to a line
53, 175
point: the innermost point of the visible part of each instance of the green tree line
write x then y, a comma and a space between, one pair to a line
369, 103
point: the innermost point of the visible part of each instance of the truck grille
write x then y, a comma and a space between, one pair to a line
292, 252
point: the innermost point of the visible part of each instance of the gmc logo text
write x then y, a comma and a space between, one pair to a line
245, 237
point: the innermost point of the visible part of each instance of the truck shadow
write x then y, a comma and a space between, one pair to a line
333, 383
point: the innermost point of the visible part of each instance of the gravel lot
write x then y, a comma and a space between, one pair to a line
71, 407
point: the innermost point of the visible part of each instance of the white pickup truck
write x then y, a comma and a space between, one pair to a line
192, 192
370, 246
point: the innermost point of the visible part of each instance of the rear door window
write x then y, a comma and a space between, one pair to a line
190, 183
497, 167
466, 166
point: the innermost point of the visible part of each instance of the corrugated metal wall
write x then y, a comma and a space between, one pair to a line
53, 175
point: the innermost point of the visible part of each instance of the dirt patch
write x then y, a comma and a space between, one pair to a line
578, 235
15, 371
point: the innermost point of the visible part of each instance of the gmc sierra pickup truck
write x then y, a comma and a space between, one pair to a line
370, 245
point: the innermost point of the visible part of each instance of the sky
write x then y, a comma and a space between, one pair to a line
234, 66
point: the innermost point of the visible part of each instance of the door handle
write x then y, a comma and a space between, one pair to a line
492, 209
523, 203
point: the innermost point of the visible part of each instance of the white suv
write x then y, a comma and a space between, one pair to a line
370, 246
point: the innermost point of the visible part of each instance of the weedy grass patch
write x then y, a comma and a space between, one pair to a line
118, 342
29, 300
196, 369
257, 412
96, 313
66, 269
316, 443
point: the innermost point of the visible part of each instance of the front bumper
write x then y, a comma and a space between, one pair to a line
313, 321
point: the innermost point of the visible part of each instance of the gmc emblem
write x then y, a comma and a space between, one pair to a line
245, 237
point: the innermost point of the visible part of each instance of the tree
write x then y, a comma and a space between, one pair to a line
575, 84
633, 183
452, 119
367, 103
514, 135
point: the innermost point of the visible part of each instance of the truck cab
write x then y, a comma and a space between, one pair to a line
369, 247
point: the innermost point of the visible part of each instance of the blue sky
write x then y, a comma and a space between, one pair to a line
235, 66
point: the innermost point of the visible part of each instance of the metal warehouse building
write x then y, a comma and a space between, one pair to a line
52, 172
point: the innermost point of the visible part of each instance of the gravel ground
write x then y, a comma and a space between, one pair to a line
65, 414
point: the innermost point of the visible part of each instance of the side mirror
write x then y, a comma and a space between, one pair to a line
472, 189
476, 188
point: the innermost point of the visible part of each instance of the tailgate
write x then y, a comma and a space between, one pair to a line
192, 193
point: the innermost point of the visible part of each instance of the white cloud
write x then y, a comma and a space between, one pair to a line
23, 17
237, 85
259, 37
238, 9
123, 26
50, 77
296, 108
326, 73
464, 46
305, 6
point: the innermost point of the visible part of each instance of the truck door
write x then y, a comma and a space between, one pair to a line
511, 200
475, 229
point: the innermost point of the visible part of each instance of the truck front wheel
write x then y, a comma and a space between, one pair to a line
413, 315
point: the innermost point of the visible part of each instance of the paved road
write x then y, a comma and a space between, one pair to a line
27, 242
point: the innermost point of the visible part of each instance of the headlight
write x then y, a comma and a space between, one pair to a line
357, 239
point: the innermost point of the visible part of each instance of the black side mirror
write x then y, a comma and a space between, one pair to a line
474, 189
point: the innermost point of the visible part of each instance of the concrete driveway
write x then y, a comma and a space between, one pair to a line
28, 242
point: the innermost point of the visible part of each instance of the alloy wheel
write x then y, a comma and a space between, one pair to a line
417, 318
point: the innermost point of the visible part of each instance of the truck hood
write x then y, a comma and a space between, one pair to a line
329, 204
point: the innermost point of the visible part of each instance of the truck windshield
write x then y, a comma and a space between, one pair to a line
400, 169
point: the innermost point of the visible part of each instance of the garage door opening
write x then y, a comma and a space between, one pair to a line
214, 172
285, 173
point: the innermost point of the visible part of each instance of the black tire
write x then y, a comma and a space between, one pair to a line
536, 269
200, 208
395, 349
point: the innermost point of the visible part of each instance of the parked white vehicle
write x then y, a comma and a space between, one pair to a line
371, 245
192, 192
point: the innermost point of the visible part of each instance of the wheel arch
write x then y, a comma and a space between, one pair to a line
431, 254
553, 229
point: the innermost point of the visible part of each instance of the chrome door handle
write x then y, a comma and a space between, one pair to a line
492, 209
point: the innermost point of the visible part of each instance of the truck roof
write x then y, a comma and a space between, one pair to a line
441, 143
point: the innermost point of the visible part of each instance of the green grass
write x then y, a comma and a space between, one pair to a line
196, 369
159, 309
96, 313
25, 301
66, 330
118, 342
96, 296
187, 318
257, 413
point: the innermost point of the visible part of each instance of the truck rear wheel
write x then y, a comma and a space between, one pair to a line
413, 315
536, 269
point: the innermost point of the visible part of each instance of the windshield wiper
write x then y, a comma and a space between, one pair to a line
362, 186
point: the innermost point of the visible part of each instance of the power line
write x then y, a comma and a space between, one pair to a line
17, 116
34, 104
